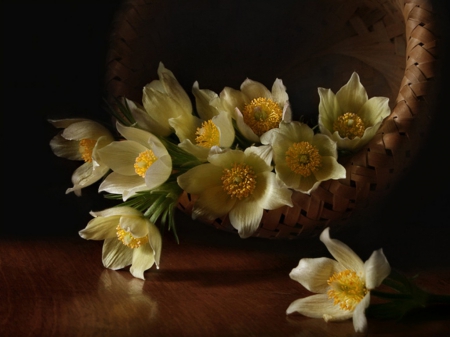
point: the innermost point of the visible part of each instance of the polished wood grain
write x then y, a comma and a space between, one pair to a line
211, 284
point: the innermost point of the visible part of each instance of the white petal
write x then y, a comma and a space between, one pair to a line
359, 316
330, 169
376, 269
342, 253
158, 172
199, 178
269, 194
155, 241
174, 90
120, 156
352, 96
225, 126
142, 260
100, 228
135, 225
329, 109
119, 184
185, 126
115, 254
316, 306
69, 149
213, 203
246, 217
313, 273
203, 98
201, 153
264, 152
232, 99
253, 89
85, 130
374, 110
279, 94
246, 131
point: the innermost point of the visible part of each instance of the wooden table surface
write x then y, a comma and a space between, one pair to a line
211, 284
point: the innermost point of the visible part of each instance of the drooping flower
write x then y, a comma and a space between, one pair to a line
349, 117
303, 159
139, 163
80, 140
129, 239
162, 100
238, 183
342, 286
255, 108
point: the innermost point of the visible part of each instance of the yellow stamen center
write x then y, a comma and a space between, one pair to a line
86, 146
128, 239
303, 158
144, 161
347, 289
349, 125
239, 181
262, 114
207, 135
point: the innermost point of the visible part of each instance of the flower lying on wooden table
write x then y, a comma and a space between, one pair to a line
343, 287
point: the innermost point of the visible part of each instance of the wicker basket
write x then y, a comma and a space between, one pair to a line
309, 43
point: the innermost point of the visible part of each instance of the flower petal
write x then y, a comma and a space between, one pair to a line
69, 149
279, 94
313, 273
155, 241
199, 178
352, 96
374, 110
203, 98
330, 169
253, 89
126, 185
120, 156
142, 260
317, 306
246, 217
359, 316
329, 109
376, 269
100, 228
212, 203
342, 253
115, 254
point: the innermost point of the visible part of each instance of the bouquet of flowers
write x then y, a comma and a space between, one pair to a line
238, 153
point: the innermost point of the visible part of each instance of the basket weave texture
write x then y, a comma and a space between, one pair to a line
392, 44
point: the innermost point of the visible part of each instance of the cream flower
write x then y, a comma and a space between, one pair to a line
238, 183
139, 163
342, 286
255, 108
162, 100
130, 239
349, 117
80, 140
213, 128
303, 159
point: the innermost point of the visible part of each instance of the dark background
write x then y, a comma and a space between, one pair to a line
53, 62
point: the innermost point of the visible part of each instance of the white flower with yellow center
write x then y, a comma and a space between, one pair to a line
214, 127
162, 100
238, 183
255, 108
130, 239
139, 163
303, 159
80, 140
342, 286
349, 117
